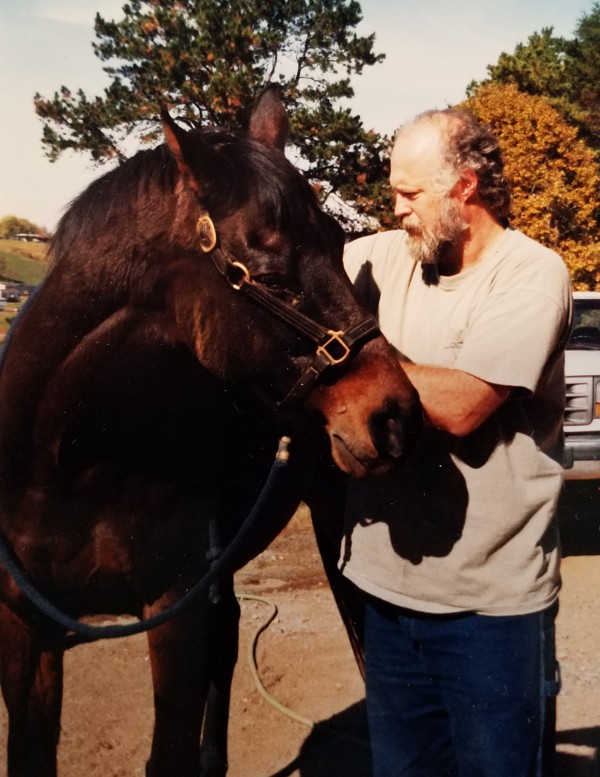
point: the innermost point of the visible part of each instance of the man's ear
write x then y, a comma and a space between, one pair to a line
466, 186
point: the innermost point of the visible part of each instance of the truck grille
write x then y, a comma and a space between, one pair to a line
579, 401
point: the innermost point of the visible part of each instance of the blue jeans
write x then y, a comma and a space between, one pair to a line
460, 696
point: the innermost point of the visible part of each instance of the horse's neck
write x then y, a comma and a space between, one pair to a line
54, 354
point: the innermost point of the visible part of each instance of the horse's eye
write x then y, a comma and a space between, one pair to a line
273, 281
277, 285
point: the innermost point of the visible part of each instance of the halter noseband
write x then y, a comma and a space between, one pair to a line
334, 347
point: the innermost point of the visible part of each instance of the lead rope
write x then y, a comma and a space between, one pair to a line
86, 632
225, 562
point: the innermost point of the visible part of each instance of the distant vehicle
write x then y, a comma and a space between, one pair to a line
582, 370
30, 237
12, 292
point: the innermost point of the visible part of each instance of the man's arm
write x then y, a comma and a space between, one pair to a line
453, 400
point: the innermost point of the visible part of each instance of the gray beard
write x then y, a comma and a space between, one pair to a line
430, 246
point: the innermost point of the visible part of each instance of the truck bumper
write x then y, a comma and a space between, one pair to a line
581, 457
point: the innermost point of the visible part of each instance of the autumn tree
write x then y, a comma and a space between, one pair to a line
206, 61
554, 175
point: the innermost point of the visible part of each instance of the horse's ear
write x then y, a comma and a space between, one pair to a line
269, 123
176, 138
192, 159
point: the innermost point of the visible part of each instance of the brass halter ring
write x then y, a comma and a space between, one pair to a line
207, 234
243, 276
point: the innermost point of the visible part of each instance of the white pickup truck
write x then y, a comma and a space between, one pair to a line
582, 410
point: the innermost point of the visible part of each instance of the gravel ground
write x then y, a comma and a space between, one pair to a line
305, 662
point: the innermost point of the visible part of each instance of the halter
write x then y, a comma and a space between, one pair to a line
334, 346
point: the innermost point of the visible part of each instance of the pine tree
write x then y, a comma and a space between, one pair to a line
206, 60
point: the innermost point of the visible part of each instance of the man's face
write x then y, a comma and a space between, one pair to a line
431, 217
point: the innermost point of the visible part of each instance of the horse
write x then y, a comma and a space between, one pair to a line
142, 394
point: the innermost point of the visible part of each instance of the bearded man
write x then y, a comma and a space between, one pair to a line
458, 550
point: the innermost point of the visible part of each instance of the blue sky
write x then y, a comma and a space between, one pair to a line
434, 49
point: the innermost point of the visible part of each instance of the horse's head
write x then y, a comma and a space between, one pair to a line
275, 290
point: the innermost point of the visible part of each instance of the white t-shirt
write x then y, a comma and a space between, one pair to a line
468, 524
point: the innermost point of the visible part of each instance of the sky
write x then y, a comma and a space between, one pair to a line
434, 49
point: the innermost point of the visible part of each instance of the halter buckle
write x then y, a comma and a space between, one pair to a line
334, 348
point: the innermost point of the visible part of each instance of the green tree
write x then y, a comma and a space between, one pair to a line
584, 74
535, 67
206, 60
565, 71
554, 175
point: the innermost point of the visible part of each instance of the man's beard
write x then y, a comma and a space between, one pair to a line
431, 245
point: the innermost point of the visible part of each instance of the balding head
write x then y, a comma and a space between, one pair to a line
458, 142
423, 143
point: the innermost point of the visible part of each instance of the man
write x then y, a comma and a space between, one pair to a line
458, 550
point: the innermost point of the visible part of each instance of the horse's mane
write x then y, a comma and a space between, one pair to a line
100, 207
145, 183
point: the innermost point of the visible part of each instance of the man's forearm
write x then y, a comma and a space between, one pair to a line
453, 400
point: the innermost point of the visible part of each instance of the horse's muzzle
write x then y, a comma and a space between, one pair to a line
387, 437
394, 430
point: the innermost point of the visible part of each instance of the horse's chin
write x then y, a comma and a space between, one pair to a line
353, 463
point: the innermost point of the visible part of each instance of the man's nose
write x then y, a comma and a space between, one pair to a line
401, 206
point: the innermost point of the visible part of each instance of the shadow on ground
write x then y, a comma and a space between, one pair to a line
339, 745
579, 518
578, 753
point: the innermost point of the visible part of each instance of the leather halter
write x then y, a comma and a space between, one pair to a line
334, 346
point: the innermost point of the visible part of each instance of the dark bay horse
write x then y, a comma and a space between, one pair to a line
138, 402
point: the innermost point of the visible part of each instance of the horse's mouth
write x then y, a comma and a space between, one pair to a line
354, 464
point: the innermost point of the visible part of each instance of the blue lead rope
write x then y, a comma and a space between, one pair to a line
226, 562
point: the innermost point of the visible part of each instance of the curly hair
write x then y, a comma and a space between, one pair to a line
468, 144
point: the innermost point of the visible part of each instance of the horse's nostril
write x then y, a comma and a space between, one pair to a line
393, 429
393, 437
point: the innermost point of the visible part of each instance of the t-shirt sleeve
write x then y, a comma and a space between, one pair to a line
514, 333
356, 253
362, 259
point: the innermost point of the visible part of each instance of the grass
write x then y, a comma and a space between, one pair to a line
24, 263
35, 251
7, 316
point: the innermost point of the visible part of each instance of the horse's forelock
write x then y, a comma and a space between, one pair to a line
253, 171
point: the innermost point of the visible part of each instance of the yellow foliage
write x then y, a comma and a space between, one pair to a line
554, 175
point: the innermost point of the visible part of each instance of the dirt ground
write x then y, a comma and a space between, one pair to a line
305, 662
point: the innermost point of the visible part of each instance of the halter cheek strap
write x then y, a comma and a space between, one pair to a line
334, 346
